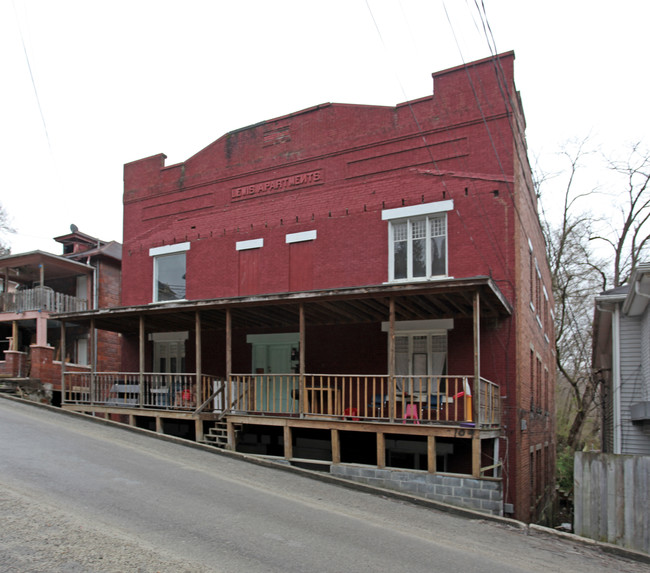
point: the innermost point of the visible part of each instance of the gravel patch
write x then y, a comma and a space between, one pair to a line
38, 537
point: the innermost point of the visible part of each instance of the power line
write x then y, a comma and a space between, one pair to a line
31, 76
489, 232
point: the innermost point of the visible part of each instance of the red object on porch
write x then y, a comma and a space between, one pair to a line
351, 412
411, 413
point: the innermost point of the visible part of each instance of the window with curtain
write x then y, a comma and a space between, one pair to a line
418, 247
419, 354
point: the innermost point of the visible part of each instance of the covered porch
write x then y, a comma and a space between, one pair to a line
33, 286
265, 410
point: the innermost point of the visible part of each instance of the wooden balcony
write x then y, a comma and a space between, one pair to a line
450, 400
40, 299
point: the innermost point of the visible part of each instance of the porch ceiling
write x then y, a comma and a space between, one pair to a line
26, 267
416, 301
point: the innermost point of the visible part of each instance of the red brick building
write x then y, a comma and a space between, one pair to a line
358, 288
36, 285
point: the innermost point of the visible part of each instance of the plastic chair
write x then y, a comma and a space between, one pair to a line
377, 402
351, 412
411, 413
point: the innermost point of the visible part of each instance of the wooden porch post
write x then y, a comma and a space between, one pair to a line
336, 447
476, 394
288, 444
381, 450
431, 454
62, 360
301, 345
141, 357
476, 454
391, 360
93, 360
197, 342
226, 397
14, 335
198, 392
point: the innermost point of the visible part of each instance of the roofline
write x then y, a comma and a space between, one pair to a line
637, 275
46, 255
471, 283
474, 63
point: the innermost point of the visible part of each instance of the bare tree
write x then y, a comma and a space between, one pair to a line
627, 235
580, 270
5, 228
575, 272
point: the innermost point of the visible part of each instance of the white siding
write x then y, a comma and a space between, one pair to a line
635, 438
645, 353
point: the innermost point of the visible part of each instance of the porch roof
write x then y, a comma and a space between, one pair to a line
452, 298
26, 267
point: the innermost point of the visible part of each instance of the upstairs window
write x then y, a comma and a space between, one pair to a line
417, 241
169, 272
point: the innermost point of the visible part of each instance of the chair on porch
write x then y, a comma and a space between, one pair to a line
379, 403
411, 413
429, 406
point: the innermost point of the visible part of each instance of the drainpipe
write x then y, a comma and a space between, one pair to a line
616, 378
93, 364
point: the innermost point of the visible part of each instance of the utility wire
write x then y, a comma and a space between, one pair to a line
31, 76
497, 248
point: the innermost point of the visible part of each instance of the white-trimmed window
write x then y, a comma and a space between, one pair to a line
420, 351
169, 272
417, 241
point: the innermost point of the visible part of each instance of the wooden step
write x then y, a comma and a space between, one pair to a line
218, 435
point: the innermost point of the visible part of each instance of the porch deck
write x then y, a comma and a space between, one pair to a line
341, 409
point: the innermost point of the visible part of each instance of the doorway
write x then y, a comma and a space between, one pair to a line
276, 365
169, 352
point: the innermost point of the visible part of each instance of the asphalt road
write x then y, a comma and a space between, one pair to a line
79, 496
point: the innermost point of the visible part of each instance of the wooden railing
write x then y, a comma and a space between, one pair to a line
401, 399
412, 399
40, 298
131, 389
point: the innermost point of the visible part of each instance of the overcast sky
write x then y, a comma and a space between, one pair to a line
89, 85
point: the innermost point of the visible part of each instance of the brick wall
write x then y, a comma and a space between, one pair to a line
333, 169
109, 274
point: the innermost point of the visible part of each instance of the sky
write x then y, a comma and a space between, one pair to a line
89, 85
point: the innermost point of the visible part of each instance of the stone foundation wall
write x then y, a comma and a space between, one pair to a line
485, 495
